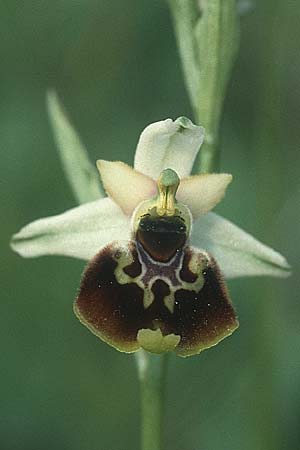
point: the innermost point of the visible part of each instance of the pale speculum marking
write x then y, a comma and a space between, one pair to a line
152, 270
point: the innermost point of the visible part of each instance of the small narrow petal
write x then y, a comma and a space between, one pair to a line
201, 193
81, 174
238, 253
126, 186
168, 144
79, 232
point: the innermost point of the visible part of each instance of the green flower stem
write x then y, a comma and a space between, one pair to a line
208, 161
207, 43
207, 38
184, 15
151, 371
207, 47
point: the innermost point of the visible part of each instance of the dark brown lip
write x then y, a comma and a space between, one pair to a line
116, 312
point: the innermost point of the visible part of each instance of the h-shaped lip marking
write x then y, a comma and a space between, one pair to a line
168, 272
154, 270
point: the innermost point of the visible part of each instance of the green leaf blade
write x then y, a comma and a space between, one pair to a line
81, 174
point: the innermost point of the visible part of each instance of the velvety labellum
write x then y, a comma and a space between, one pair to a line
131, 301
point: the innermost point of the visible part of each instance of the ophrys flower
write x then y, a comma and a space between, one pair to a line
148, 286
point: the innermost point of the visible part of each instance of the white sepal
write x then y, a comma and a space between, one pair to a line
167, 144
79, 232
238, 253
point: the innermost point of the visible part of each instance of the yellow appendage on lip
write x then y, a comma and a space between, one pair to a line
153, 340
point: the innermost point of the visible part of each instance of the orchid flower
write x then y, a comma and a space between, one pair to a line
158, 256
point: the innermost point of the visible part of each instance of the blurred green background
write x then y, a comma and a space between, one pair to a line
115, 67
